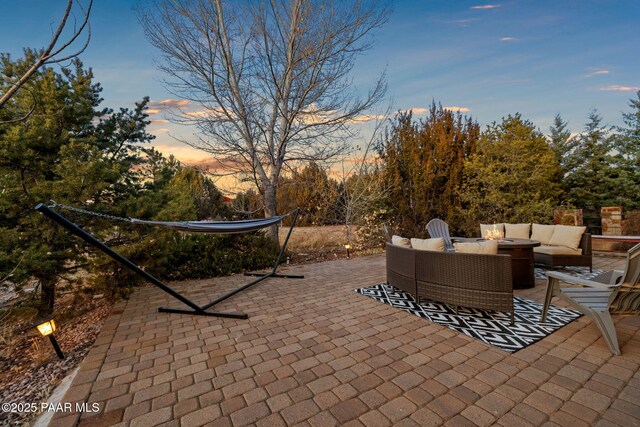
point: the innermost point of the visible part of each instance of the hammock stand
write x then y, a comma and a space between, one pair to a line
194, 308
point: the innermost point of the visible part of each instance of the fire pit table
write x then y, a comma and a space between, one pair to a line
521, 251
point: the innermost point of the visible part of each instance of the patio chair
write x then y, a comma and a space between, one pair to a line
438, 228
615, 291
387, 236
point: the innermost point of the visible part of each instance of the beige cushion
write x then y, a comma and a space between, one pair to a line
488, 247
557, 250
542, 233
485, 228
517, 231
400, 241
567, 235
436, 244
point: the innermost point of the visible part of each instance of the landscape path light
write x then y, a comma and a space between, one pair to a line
47, 329
347, 247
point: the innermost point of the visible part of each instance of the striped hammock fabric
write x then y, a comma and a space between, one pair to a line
215, 227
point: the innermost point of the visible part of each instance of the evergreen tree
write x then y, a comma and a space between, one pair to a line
191, 195
591, 181
511, 177
627, 144
67, 151
561, 142
423, 166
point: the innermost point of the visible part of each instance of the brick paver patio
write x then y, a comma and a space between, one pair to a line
314, 353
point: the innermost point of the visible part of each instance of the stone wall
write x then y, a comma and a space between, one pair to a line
611, 221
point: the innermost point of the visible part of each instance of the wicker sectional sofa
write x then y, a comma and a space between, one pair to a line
553, 260
458, 279
566, 250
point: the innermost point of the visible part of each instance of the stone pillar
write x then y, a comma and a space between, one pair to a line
568, 216
611, 220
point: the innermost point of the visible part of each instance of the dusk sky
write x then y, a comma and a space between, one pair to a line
535, 57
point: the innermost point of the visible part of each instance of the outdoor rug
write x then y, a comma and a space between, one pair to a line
493, 328
541, 273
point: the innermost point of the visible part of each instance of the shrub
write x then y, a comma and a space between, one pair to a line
370, 235
171, 255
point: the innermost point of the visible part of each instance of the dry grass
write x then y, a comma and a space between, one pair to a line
7, 336
40, 351
320, 243
317, 237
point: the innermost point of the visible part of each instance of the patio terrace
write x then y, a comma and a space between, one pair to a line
315, 353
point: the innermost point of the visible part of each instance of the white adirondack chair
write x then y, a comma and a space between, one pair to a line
615, 291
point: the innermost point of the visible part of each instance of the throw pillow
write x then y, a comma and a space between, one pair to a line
435, 244
567, 235
489, 247
542, 233
517, 231
491, 228
400, 241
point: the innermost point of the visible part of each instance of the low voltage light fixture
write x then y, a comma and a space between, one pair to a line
47, 329
347, 247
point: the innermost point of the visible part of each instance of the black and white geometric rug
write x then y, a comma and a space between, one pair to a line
491, 327
541, 273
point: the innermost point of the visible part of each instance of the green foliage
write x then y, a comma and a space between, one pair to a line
591, 181
66, 152
71, 152
511, 177
627, 159
424, 166
561, 142
178, 256
190, 195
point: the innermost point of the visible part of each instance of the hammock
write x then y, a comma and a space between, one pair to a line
214, 227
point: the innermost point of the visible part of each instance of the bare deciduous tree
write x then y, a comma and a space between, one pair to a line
363, 185
56, 51
272, 78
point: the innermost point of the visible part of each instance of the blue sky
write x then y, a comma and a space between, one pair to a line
535, 57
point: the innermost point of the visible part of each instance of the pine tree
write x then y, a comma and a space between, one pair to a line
67, 150
591, 181
561, 142
627, 144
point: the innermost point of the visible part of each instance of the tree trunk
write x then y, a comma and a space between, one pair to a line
47, 297
270, 211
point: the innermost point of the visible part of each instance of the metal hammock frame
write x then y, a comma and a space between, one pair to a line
193, 307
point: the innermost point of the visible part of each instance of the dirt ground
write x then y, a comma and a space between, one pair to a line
29, 367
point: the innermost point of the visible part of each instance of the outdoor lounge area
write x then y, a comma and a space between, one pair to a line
315, 353
463, 179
